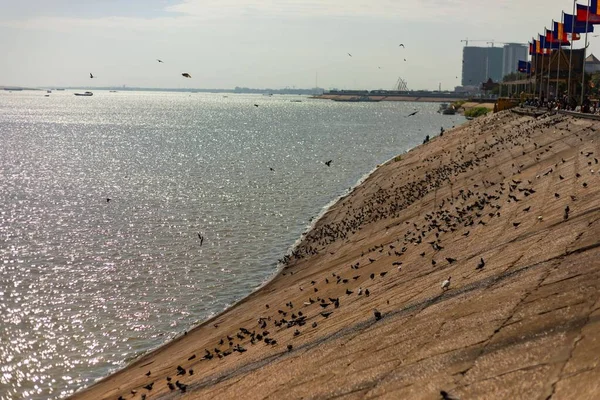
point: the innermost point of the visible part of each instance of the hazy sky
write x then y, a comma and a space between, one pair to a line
257, 43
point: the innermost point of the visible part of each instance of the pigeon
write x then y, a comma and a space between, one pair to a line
481, 264
377, 314
446, 283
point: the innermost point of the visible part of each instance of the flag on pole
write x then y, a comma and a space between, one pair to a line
524, 67
548, 44
585, 12
559, 31
579, 26
595, 6
552, 37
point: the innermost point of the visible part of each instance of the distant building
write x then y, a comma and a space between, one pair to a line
512, 53
481, 64
466, 89
592, 64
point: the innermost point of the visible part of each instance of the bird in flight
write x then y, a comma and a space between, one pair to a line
405, 59
160, 61
328, 163
401, 45
201, 237
186, 75
91, 76
256, 105
350, 54
411, 114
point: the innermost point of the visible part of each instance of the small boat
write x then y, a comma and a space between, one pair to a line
48, 91
443, 107
296, 101
84, 94
449, 111
112, 91
46, 95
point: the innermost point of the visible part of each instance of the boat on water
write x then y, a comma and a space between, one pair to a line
84, 94
443, 106
295, 101
48, 91
360, 99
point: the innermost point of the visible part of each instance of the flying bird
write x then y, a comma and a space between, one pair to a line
411, 114
91, 76
186, 75
401, 45
405, 59
160, 61
328, 163
350, 54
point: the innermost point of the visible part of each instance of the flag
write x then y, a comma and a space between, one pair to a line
553, 38
585, 12
524, 67
548, 44
595, 6
559, 31
575, 25
531, 48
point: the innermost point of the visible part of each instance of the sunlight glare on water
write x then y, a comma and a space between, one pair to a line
88, 284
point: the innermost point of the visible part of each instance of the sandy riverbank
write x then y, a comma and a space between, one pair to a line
525, 325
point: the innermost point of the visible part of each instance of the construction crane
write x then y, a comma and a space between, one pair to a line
492, 43
476, 40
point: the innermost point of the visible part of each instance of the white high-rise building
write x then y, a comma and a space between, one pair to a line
513, 52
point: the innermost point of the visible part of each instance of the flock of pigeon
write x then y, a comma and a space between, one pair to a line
184, 74
423, 238
188, 75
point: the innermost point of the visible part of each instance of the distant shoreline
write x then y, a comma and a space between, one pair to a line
414, 99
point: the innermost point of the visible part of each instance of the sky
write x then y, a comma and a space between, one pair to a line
258, 43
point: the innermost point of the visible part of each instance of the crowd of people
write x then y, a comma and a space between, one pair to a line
562, 102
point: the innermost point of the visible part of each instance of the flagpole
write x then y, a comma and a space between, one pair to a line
587, 21
542, 64
549, 61
529, 72
571, 52
561, 33
534, 72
